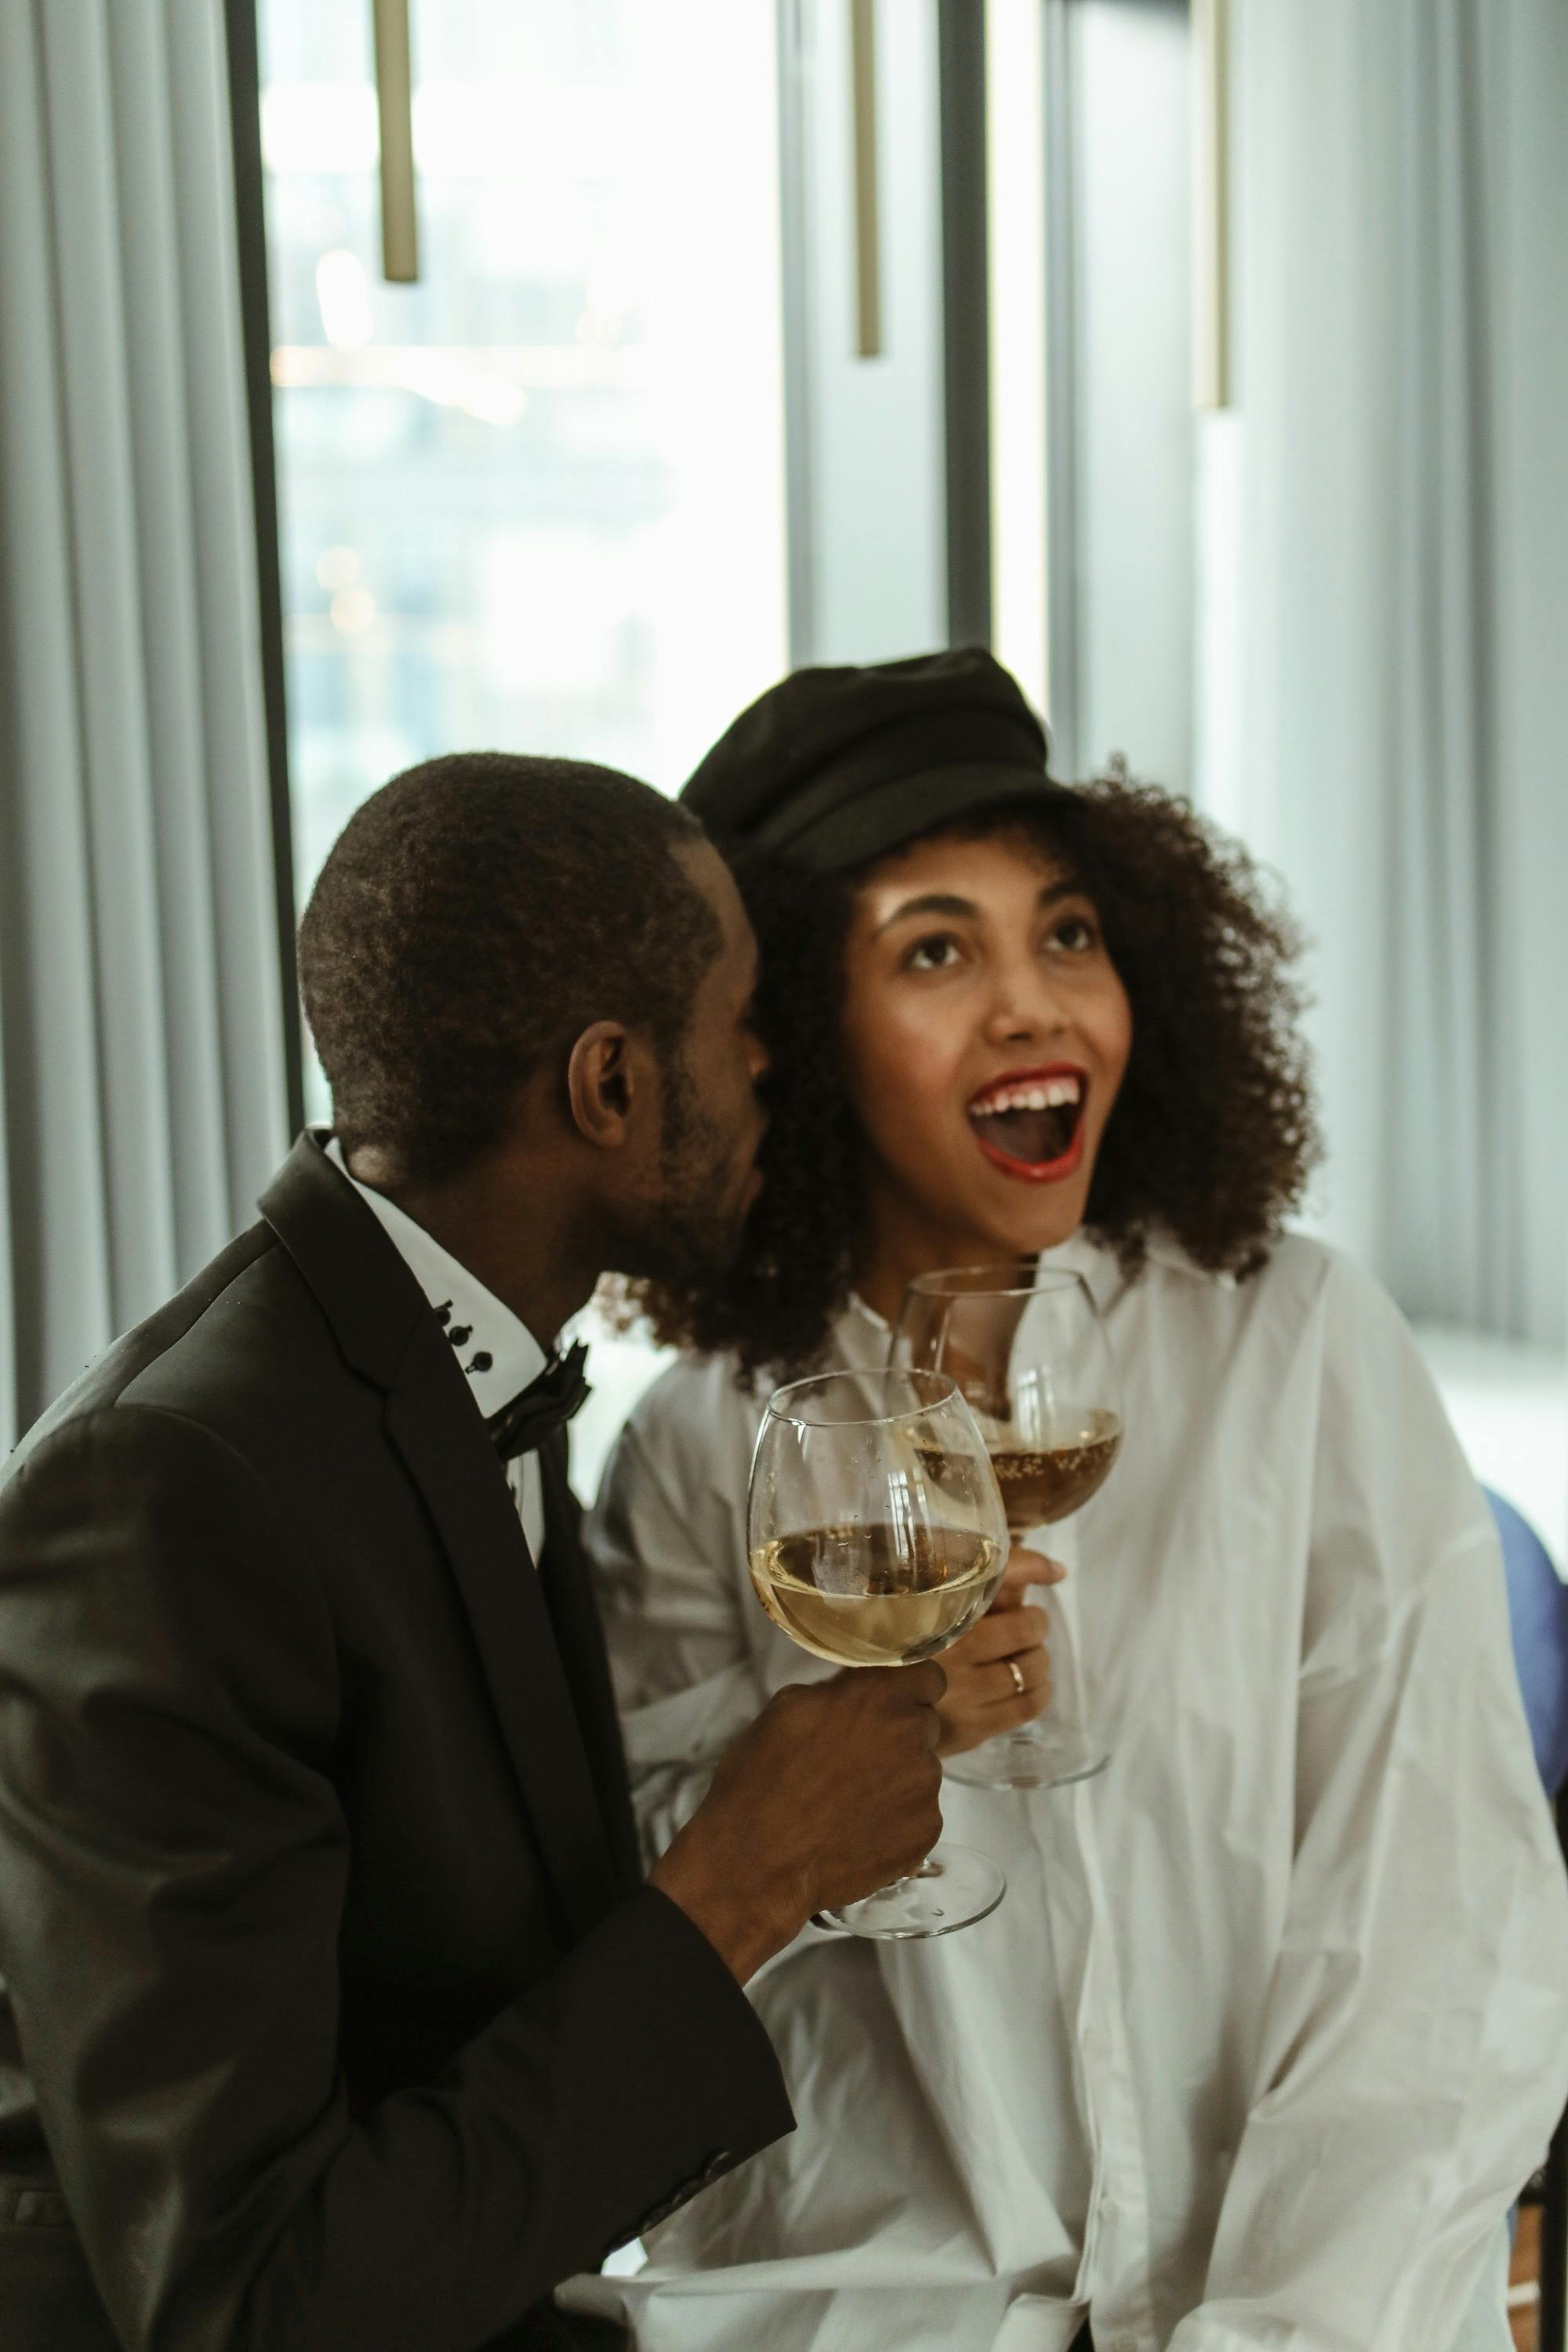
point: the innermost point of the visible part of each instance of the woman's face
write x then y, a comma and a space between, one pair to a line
987, 1034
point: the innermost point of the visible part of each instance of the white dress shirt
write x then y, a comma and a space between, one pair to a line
1273, 2022
498, 1353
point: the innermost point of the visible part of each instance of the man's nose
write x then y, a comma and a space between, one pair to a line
757, 1057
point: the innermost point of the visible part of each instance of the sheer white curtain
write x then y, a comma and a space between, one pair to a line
141, 1054
1401, 601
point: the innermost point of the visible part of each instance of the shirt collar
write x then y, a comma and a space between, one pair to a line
496, 1349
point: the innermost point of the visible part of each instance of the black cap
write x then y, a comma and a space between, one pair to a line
832, 767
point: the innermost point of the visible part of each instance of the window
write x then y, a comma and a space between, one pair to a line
535, 500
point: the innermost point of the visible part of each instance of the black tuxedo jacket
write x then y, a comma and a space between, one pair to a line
336, 2019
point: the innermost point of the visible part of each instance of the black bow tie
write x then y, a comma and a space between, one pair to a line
545, 1405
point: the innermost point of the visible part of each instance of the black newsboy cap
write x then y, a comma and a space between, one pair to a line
832, 767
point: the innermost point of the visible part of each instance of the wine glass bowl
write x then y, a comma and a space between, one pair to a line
1050, 1472
863, 1590
1028, 1350
876, 1537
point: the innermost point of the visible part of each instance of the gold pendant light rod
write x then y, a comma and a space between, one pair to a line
868, 227
395, 104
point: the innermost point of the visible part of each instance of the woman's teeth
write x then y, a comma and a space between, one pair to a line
1040, 1094
1030, 1123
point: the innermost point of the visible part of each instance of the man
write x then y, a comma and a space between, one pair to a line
338, 2020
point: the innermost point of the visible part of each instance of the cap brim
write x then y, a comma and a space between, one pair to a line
891, 815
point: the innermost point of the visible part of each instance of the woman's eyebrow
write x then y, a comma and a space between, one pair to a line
935, 902
941, 902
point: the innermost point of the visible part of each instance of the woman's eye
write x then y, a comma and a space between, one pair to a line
1076, 933
935, 953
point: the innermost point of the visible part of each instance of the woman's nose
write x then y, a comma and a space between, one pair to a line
1023, 1013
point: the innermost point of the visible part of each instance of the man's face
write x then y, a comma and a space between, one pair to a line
711, 1120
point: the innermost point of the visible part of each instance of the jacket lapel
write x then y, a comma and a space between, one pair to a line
573, 1612
388, 1333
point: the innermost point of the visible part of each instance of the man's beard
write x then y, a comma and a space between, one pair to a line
692, 1231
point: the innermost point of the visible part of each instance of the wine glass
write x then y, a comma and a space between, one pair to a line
1030, 1354
877, 1536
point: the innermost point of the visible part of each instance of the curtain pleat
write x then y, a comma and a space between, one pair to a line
170, 649
1525, 60
229, 595
1401, 308
140, 1015
93, 310
1452, 1218
58, 1230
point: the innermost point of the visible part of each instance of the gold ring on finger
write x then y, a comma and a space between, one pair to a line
1013, 1669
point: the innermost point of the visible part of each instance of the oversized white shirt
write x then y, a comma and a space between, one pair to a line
1273, 2023
497, 1352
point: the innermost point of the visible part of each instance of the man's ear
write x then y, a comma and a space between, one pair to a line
601, 1085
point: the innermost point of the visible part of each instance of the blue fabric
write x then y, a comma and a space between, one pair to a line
1538, 1614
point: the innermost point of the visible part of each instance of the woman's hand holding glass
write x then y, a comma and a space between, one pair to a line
1028, 1350
999, 1673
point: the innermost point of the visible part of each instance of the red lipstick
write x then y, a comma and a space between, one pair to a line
1031, 1172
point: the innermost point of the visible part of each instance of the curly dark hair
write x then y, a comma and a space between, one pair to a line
1213, 1135
476, 912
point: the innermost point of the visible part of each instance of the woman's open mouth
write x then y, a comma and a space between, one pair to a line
1029, 1123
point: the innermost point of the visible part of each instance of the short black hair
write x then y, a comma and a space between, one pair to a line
476, 913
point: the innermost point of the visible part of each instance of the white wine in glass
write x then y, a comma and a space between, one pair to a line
1029, 1352
877, 1536
876, 1596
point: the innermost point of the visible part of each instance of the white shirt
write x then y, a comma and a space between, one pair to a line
498, 1353
1273, 2022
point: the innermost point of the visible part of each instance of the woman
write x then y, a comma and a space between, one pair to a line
1269, 2029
